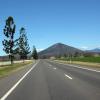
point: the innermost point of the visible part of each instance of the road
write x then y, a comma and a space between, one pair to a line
52, 81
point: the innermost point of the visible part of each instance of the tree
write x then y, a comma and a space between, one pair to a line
65, 55
34, 53
24, 48
76, 54
9, 43
88, 54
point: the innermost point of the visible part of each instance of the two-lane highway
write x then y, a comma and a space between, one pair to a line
52, 81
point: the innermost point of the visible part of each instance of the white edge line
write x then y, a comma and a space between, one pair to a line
77, 66
68, 76
11, 90
85, 68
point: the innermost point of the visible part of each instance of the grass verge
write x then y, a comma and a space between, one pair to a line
83, 59
7, 69
84, 64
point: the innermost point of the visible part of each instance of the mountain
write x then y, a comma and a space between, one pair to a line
96, 50
58, 49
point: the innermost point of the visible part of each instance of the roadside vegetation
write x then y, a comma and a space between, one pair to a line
17, 49
92, 62
7, 69
83, 59
34, 53
18, 46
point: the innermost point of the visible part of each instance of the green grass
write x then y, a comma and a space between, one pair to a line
6, 69
84, 59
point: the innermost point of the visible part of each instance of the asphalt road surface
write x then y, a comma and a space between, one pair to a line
52, 81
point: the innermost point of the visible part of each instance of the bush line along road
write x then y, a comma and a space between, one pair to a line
48, 80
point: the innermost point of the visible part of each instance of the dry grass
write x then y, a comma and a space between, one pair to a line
93, 65
6, 69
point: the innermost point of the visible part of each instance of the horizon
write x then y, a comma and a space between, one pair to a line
75, 23
39, 50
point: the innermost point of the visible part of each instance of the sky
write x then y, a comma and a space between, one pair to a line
72, 22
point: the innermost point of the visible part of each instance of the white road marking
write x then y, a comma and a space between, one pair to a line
78, 67
11, 90
84, 68
50, 65
54, 68
68, 76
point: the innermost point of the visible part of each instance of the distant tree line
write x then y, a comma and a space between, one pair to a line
78, 55
14, 46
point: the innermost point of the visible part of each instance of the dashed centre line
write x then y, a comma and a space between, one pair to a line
54, 68
68, 76
50, 65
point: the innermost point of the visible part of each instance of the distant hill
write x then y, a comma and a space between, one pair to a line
96, 50
58, 49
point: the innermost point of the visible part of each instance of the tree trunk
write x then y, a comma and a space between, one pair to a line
11, 59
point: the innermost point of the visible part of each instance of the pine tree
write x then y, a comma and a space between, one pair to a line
34, 53
9, 43
24, 48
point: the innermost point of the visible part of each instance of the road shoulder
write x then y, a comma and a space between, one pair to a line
7, 82
78, 65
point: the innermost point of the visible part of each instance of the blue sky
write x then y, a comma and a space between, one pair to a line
72, 22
